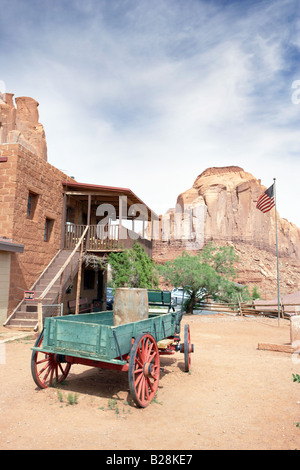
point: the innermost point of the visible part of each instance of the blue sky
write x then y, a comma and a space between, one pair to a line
148, 94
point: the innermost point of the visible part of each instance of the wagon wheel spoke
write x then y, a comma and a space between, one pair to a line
146, 390
139, 360
46, 368
52, 370
139, 377
141, 389
144, 368
152, 357
60, 367
149, 352
150, 384
43, 360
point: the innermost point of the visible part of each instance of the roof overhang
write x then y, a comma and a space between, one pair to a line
104, 194
10, 246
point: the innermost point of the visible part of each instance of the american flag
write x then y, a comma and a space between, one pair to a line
267, 200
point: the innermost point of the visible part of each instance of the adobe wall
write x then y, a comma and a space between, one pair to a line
20, 172
8, 170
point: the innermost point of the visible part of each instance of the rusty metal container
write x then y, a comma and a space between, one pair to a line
130, 305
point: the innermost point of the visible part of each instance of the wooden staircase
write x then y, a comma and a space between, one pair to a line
25, 315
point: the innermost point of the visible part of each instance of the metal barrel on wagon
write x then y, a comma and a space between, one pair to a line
130, 305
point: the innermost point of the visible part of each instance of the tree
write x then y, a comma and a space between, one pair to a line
209, 273
255, 293
133, 268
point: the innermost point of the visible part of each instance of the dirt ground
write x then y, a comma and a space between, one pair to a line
234, 397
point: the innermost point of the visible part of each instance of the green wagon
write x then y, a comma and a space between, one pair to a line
91, 339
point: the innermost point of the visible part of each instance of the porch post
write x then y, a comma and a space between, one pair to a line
122, 215
89, 210
88, 221
120, 211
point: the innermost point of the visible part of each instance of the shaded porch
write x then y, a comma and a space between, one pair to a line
115, 217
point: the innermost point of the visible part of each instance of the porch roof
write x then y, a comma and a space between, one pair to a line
107, 194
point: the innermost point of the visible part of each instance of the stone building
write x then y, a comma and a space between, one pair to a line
44, 214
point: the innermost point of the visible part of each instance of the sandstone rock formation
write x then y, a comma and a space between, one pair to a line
21, 124
223, 204
227, 197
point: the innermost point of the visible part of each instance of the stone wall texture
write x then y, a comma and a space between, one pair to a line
21, 173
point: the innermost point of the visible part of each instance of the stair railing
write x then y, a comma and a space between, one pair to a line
31, 288
39, 325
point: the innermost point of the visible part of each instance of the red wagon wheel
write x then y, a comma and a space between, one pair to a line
144, 369
46, 368
187, 348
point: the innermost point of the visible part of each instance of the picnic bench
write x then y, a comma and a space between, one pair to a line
160, 298
84, 306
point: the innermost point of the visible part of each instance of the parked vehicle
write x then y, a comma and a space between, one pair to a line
179, 295
109, 298
179, 292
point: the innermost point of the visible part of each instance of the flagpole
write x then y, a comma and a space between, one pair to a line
278, 288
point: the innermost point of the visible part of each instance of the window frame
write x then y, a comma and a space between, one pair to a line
32, 200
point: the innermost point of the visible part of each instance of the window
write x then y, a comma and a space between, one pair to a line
48, 229
31, 204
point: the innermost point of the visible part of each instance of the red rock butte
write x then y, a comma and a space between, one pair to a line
227, 198
20, 125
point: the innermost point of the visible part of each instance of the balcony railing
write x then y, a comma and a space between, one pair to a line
98, 237
104, 238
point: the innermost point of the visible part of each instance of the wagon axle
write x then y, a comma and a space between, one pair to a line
186, 348
148, 370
